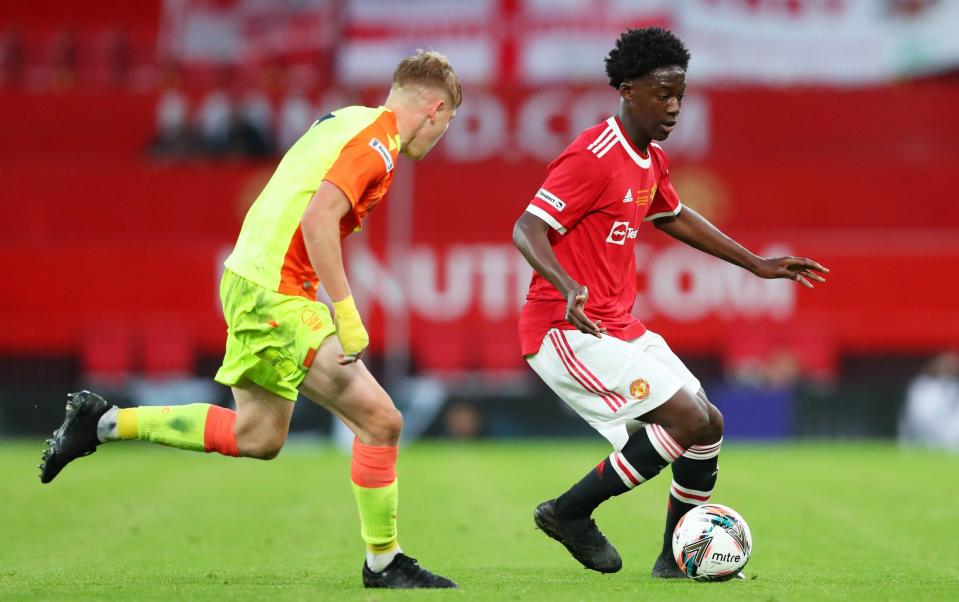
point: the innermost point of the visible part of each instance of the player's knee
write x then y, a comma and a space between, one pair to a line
715, 425
385, 426
696, 426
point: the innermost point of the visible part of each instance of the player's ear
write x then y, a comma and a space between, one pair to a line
626, 90
435, 107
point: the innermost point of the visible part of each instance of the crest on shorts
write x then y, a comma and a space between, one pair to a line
639, 389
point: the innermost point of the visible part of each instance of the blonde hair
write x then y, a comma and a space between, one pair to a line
429, 69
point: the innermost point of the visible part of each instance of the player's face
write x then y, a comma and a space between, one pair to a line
654, 101
436, 123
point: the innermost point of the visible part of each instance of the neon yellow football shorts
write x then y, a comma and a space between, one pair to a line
271, 338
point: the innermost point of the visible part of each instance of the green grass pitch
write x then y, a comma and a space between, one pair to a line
136, 522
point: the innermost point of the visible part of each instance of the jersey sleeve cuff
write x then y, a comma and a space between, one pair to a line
344, 188
672, 213
546, 217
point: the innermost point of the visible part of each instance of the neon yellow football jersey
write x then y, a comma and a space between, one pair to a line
354, 148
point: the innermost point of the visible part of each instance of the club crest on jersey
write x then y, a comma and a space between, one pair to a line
545, 195
384, 154
620, 232
639, 389
644, 196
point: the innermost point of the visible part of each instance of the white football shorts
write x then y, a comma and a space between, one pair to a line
611, 382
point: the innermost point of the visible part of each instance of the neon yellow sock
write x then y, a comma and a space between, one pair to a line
378, 506
176, 426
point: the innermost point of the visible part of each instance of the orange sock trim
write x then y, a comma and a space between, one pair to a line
373, 466
218, 435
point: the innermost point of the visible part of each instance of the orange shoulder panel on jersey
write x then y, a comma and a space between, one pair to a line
364, 168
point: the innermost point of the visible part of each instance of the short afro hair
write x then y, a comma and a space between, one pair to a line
640, 51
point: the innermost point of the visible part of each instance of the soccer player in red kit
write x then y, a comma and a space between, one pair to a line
576, 329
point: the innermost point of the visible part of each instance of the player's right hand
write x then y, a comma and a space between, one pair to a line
800, 269
576, 315
350, 330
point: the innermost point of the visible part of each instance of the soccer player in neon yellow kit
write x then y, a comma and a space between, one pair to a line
278, 341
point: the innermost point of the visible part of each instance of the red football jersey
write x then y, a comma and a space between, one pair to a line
596, 194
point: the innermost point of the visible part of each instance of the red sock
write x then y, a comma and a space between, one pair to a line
218, 435
373, 466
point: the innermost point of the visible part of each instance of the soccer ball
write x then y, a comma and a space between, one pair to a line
712, 543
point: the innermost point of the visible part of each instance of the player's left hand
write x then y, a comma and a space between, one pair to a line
800, 269
576, 312
350, 330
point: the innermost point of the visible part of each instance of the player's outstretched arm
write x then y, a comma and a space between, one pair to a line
530, 235
696, 231
321, 234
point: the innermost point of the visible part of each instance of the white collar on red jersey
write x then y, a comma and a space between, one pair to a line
626, 144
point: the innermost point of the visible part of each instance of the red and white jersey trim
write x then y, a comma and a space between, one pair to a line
664, 444
578, 370
690, 496
612, 135
675, 211
607, 140
546, 217
626, 471
704, 452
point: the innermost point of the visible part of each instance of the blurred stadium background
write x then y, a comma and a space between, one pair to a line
136, 134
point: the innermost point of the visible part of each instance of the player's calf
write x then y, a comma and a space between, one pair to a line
258, 439
263, 449
644, 455
694, 477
